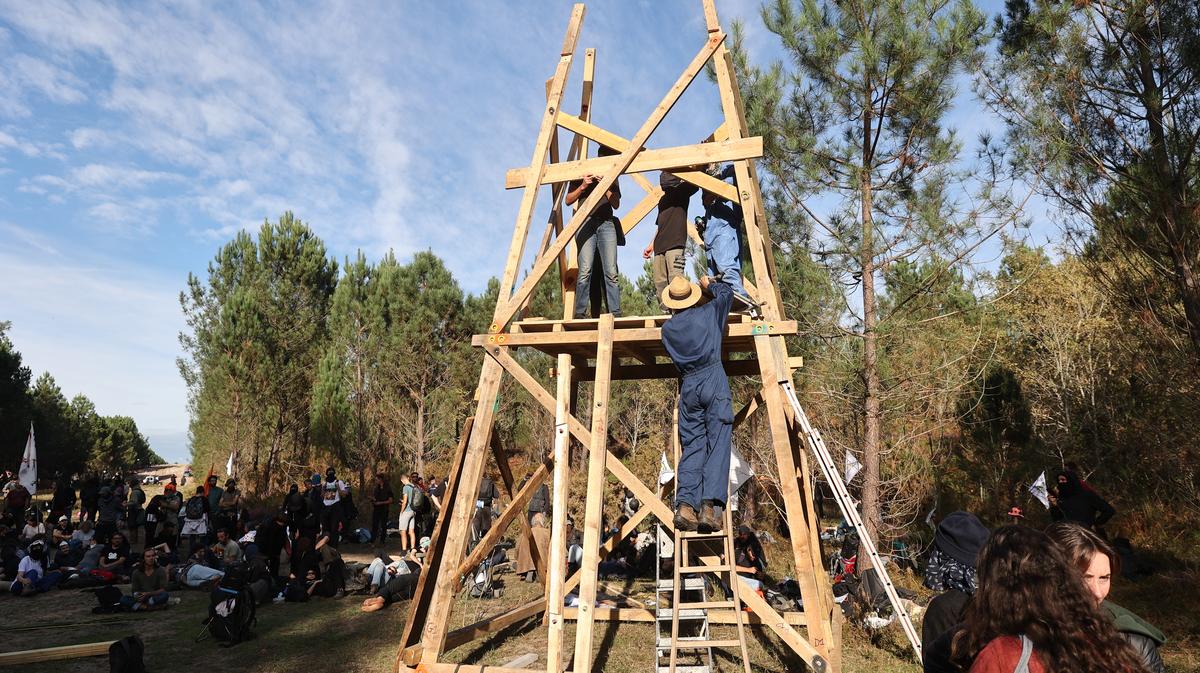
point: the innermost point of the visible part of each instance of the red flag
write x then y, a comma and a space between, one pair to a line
207, 487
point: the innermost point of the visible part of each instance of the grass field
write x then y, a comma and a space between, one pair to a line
333, 634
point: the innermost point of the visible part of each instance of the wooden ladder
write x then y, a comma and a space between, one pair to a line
707, 562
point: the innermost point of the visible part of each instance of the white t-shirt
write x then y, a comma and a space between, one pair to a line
82, 536
334, 495
30, 532
28, 564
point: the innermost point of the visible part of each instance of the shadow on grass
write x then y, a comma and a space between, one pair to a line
485, 645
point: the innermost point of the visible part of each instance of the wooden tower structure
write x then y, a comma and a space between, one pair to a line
606, 349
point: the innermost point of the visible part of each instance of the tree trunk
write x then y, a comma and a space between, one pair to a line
420, 437
871, 512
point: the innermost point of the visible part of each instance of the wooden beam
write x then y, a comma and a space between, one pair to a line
505, 312
640, 210
699, 178
715, 616
635, 334
594, 505
419, 607
754, 404
55, 653
670, 159
558, 520
666, 370
517, 507
446, 585
567, 263
537, 164
819, 630
506, 476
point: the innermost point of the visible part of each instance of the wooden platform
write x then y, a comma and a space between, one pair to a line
638, 341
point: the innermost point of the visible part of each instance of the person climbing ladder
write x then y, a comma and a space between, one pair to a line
692, 337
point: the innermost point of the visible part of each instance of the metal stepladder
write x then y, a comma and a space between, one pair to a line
714, 556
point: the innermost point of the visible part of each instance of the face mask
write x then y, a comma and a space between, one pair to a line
330, 477
37, 554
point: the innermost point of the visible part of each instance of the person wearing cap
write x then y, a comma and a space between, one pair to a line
951, 570
62, 530
692, 337
1016, 515
32, 577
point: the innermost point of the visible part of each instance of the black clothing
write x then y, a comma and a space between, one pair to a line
64, 498
487, 491
935, 656
604, 211
672, 212
401, 587
944, 613
1083, 507
380, 513
271, 539
540, 502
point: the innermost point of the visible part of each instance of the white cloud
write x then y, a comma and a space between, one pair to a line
106, 176
83, 138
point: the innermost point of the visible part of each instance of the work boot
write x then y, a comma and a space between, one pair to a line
709, 523
685, 517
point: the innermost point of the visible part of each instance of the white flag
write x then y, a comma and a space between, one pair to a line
1038, 489
739, 473
853, 467
28, 472
665, 473
229, 466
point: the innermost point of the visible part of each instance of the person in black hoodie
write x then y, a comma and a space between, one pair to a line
294, 508
951, 570
1078, 504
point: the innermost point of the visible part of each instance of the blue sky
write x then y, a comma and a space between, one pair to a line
135, 138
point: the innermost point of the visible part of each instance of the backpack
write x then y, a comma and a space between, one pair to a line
139, 497
125, 656
420, 501
231, 615
108, 599
295, 592
194, 509
237, 577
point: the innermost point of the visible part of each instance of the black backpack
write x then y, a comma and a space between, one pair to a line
237, 577
125, 656
420, 501
231, 615
194, 509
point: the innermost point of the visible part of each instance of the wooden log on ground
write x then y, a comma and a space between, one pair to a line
55, 653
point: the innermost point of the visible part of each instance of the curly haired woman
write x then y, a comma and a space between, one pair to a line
1032, 614
1097, 563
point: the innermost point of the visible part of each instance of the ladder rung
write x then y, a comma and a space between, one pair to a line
689, 584
723, 568
665, 614
705, 605
690, 644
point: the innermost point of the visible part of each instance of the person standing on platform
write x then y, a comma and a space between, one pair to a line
597, 239
692, 337
670, 241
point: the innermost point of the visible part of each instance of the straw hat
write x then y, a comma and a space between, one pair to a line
680, 294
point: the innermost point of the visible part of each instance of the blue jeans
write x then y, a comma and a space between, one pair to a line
128, 601
724, 254
39, 583
597, 235
705, 436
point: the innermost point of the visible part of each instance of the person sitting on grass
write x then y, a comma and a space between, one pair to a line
147, 584
62, 530
226, 549
33, 530
32, 577
115, 556
401, 586
83, 536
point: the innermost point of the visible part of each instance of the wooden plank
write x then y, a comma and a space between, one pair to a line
446, 584
470, 668
516, 507
710, 16
537, 164
505, 313
506, 476
715, 616
667, 371
818, 628
55, 653
616, 142
419, 606
594, 507
640, 210
479, 629
558, 521
568, 263
571, 39
754, 404
647, 335
669, 158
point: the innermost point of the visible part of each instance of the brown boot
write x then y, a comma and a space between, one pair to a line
685, 517
709, 523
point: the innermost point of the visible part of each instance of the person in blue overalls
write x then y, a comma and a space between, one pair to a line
720, 224
692, 337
